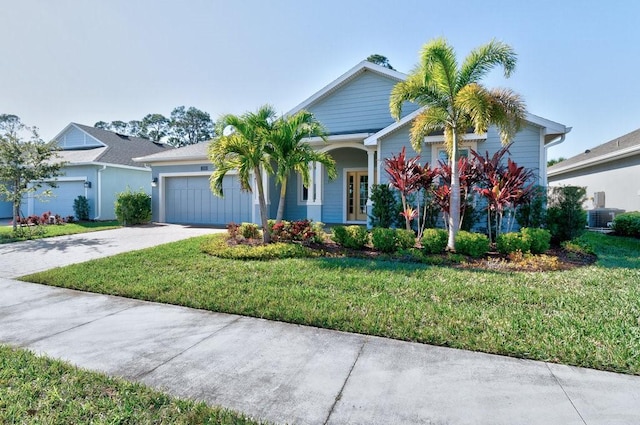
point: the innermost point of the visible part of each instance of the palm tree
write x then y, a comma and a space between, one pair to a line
242, 147
291, 154
454, 100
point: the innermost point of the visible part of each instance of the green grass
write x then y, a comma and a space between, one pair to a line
39, 390
588, 316
51, 230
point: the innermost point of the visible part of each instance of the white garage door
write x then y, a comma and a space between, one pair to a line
62, 201
189, 200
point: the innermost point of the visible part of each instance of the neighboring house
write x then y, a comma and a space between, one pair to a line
355, 111
610, 173
98, 165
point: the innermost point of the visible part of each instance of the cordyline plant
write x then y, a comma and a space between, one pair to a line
504, 187
468, 178
405, 175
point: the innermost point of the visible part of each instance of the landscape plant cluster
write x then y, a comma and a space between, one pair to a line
627, 224
34, 225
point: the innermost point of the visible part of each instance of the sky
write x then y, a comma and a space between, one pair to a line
85, 61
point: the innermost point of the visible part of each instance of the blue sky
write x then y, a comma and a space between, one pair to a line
85, 61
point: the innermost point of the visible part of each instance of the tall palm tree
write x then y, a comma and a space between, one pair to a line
243, 147
291, 154
454, 100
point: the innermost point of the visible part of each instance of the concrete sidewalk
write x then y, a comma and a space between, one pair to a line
282, 372
303, 375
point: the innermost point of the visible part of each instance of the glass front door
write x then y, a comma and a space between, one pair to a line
357, 195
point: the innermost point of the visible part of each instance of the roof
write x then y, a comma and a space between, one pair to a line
620, 147
117, 149
360, 68
552, 129
198, 151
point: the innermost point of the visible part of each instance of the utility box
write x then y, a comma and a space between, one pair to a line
598, 200
602, 217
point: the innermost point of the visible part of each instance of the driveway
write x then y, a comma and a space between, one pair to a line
22, 258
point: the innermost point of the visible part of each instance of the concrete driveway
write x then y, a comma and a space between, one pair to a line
282, 372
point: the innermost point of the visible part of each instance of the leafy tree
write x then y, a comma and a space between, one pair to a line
243, 147
155, 126
103, 125
554, 161
119, 127
380, 60
454, 100
134, 128
190, 126
291, 154
25, 165
565, 217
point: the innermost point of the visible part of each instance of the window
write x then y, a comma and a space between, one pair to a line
439, 152
303, 192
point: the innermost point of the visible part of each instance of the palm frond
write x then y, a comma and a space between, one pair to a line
475, 102
439, 66
508, 112
428, 121
483, 59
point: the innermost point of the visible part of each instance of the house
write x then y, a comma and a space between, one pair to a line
98, 166
610, 173
355, 110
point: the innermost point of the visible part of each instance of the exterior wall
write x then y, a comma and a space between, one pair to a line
75, 138
361, 105
6, 209
116, 180
333, 199
293, 211
617, 179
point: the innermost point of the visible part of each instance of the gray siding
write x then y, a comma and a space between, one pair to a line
6, 209
116, 180
334, 191
361, 104
525, 149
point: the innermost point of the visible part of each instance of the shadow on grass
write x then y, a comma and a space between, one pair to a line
615, 251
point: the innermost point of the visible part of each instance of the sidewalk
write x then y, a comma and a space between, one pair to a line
281, 372
302, 375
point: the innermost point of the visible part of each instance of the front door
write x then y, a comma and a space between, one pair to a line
357, 195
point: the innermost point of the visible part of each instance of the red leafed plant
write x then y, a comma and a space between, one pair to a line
405, 175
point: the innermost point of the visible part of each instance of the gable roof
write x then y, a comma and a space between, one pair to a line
198, 151
117, 149
345, 78
552, 129
620, 147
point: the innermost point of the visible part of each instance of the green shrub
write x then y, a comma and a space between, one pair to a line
627, 224
81, 208
249, 231
354, 237
319, 235
133, 207
218, 246
533, 212
539, 239
434, 241
405, 239
472, 244
383, 239
565, 217
508, 243
384, 205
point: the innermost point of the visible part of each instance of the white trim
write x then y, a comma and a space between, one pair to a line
600, 159
354, 145
59, 135
184, 160
300, 186
345, 204
337, 138
542, 166
347, 76
108, 164
374, 138
437, 147
466, 138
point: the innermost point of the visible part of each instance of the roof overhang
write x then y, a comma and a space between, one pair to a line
558, 169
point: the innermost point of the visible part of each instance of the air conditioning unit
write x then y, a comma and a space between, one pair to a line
598, 200
602, 217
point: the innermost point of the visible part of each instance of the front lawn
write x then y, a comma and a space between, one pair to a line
588, 316
51, 230
38, 390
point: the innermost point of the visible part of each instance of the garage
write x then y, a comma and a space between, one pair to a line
62, 201
188, 200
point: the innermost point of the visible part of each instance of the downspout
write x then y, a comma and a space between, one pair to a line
99, 193
555, 142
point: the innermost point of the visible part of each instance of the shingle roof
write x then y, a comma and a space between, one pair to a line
198, 151
120, 149
613, 148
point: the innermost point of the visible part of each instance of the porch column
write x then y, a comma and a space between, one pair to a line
314, 202
318, 183
311, 195
371, 169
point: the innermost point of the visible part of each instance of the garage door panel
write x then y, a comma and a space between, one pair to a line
62, 201
189, 200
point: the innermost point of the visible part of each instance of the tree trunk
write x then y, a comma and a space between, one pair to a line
16, 205
454, 202
266, 235
283, 193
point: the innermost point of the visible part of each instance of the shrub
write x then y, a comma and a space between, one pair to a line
301, 230
508, 243
384, 205
565, 217
355, 237
539, 239
232, 230
133, 207
383, 239
249, 231
532, 213
434, 241
218, 247
472, 244
405, 239
81, 208
319, 234
627, 224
